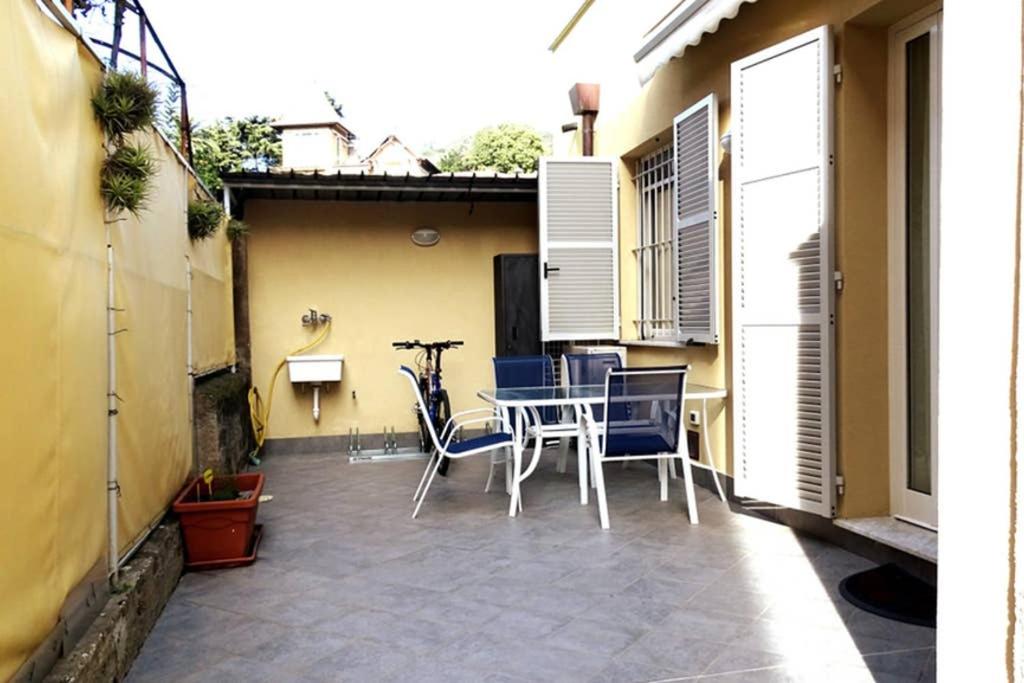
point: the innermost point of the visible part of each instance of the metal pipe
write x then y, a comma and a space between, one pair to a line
316, 403
143, 62
112, 486
588, 132
189, 366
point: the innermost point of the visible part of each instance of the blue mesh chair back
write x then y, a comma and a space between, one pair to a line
527, 371
592, 368
643, 408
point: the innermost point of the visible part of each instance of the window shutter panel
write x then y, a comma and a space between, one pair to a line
782, 274
695, 143
579, 283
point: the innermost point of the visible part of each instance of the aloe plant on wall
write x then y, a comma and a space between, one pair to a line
123, 104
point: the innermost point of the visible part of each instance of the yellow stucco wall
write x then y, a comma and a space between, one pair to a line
355, 261
860, 214
53, 429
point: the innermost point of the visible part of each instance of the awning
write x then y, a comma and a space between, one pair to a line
684, 26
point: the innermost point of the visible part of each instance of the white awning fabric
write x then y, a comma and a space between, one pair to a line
684, 27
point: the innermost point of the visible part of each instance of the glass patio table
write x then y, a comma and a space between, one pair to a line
518, 401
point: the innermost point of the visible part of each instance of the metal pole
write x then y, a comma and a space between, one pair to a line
189, 366
112, 486
143, 62
186, 130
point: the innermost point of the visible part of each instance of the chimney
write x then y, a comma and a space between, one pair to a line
585, 99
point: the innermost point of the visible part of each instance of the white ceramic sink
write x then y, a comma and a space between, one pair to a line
315, 369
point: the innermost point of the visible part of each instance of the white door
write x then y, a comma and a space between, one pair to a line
579, 267
915, 77
782, 275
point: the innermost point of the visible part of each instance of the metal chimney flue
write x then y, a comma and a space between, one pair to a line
586, 101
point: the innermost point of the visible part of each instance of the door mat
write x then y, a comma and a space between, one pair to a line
890, 592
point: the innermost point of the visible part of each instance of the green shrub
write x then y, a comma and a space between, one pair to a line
124, 103
204, 217
236, 229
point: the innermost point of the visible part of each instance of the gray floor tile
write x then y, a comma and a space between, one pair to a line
348, 587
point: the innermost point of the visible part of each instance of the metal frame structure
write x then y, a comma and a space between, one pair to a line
655, 251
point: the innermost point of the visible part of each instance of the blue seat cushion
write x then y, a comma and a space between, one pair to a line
488, 440
649, 443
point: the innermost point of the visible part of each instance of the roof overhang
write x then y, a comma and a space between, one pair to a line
364, 187
683, 27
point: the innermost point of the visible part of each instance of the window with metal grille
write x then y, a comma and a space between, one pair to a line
655, 186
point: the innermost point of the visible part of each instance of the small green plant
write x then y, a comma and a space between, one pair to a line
126, 177
204, 218
236, 229
124, 103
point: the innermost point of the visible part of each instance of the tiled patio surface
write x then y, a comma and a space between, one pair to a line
349, 588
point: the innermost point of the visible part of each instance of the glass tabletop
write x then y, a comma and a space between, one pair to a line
568, 395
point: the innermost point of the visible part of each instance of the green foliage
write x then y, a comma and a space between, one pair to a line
506, 148
124, 103
232, 145
204, 218
126, 178
236, 229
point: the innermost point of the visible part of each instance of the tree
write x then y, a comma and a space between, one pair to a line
505, 148
232, 145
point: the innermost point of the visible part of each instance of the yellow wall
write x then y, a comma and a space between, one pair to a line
355, 261
53, 353
860, 214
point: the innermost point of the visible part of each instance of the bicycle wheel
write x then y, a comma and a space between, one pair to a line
444, 413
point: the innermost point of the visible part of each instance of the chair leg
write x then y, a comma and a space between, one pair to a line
563, 455
663, 478
691, 497
490, 473
672, 468
602, 500
430, 463
427, 487
508, 471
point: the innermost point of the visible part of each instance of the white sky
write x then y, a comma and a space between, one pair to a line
428, 71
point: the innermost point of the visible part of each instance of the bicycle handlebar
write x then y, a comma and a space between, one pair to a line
417, 344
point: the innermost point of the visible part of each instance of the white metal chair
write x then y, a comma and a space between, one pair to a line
541, 424
445, 444
642, 420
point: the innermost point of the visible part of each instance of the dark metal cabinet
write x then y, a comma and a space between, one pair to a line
516, 305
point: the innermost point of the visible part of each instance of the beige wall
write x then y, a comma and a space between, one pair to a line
53, 300
860, 214
355, 260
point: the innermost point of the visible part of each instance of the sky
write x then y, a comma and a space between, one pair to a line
431, 72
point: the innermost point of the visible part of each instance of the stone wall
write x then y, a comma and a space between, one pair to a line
110, 645
223, 429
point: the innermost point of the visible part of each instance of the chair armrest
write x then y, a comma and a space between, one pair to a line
479, 420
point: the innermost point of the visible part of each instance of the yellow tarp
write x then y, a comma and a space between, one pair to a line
53, 430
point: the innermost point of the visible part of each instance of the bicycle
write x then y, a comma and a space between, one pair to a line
428, 366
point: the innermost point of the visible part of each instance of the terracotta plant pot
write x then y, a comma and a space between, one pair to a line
219, 530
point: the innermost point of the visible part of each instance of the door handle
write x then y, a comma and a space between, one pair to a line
549, 269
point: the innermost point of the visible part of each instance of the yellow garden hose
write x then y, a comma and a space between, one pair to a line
260, 415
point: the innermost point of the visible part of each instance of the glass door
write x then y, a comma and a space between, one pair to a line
915, 54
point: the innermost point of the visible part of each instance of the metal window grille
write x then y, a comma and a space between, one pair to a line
655, 185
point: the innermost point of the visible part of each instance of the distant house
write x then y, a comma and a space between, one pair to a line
314, 139
395, 157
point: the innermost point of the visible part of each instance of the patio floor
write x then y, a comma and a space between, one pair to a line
349, 588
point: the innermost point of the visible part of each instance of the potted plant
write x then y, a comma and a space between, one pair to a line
218, 519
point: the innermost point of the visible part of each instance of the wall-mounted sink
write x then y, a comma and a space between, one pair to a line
315, 369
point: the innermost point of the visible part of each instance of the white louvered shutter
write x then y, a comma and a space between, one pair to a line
782, 274
579, 286
695, 143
